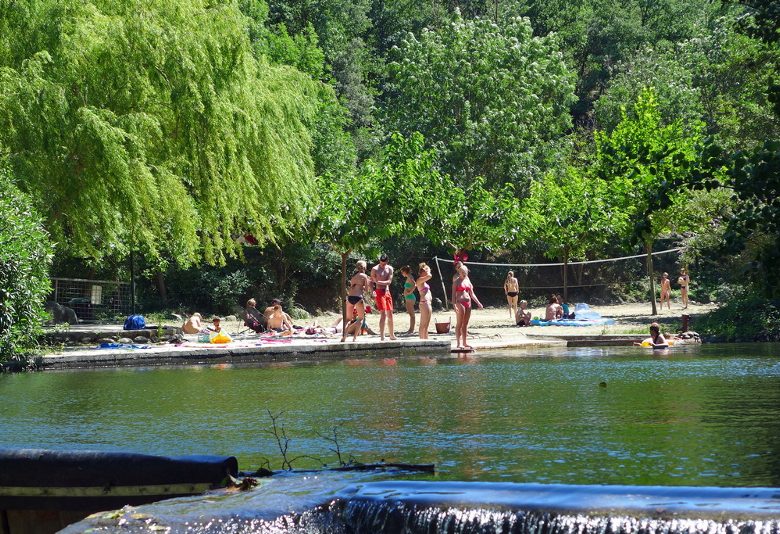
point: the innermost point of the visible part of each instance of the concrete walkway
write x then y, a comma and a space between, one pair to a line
490, 329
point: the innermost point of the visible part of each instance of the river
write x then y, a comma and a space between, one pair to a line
700, 416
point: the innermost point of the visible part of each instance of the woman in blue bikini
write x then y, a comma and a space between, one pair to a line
409, 298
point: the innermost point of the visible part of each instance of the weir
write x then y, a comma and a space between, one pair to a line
460, 508
553, 509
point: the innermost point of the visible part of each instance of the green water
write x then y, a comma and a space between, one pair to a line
708, 416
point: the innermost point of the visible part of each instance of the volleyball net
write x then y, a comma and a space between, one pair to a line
583, 281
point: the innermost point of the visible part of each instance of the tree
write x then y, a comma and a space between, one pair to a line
385, 198
152, 126
660, 68
342, 28
598, 35
25, 256
572, 214
641, 158
492, 100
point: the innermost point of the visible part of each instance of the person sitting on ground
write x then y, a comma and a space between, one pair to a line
279, 321
566, 307
523, 316
216, 327
269, 311
253, 319
193, 324
554, 310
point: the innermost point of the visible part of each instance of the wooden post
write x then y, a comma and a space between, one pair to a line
649, 250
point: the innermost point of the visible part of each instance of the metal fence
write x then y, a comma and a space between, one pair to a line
92, 300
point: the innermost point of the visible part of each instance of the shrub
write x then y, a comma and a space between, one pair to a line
744, 318
25, 257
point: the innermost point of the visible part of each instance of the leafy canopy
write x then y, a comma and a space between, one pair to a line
647, 164
493, 100
152, 124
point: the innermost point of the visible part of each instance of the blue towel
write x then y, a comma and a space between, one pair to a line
123, 346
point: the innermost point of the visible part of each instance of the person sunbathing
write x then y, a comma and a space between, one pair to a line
193, 324
253, 319
278, 320
523, 316
554, 310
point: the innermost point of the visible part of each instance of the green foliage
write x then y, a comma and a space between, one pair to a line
597, 35
492, 99
341, 27
755, 178
647, 164
661, 69
472, 216
25, 256
572, 214
152, 125
744, 318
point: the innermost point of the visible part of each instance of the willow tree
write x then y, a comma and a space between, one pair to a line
151, 125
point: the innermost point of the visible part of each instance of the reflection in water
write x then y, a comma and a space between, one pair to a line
704, 417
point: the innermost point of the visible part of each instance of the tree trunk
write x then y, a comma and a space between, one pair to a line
132, 279
649, 250
343, 295
161, 287
565, 275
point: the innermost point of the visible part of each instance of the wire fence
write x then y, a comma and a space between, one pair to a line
92, 300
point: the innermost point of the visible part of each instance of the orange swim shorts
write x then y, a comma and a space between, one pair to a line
384, 300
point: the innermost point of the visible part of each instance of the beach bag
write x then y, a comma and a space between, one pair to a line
443, 327
135, 322
221, 337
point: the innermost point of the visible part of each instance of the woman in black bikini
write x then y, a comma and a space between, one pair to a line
359, 285
511, 290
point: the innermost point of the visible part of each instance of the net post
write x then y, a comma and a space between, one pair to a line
443, 287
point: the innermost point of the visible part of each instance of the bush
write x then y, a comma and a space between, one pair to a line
744, 318
25, 257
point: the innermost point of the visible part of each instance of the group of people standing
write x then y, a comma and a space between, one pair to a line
683, 281
377, 283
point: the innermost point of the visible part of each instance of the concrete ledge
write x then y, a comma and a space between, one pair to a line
600, 340
91, 333
271, 352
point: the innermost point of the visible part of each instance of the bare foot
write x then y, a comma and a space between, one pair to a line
393, 338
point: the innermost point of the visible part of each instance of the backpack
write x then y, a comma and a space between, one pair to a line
135, 322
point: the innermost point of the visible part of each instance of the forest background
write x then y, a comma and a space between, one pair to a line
326, 131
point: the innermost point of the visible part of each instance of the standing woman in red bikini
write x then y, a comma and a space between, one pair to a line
464, 297
358, 286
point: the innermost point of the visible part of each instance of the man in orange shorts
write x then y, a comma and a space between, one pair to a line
382, 277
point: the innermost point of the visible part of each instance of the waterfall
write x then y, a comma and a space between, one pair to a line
337, 503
